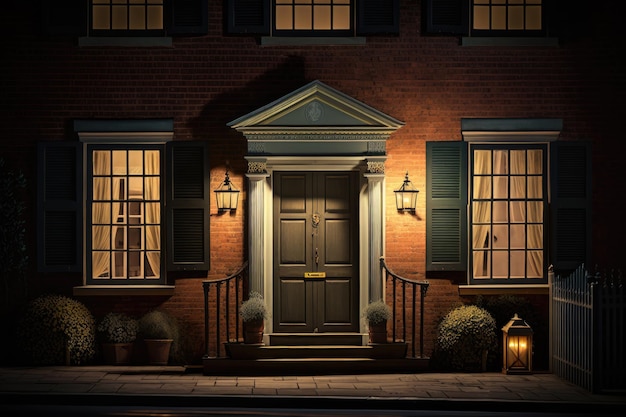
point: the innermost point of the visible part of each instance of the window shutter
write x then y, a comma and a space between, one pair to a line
187, 206
248, 17
446, 206
571, 205
187, 17
447, 16
59, 207
65, 17
378, 16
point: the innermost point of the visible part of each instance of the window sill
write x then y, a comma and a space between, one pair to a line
541, 289
503, 41
116, 290
128, 41
303, 41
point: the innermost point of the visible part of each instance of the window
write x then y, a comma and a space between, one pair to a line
507, 202
498, 18
507, 16
507, 205
137, 182
320, 16
124, 18
125, 204
313, 18
127, 16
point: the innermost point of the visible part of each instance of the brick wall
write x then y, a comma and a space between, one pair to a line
429, 82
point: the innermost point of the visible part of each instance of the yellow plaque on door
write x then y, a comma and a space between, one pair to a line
315, 274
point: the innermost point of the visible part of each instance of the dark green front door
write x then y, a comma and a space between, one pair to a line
315, 252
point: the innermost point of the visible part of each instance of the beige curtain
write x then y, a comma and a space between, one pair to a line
153, 212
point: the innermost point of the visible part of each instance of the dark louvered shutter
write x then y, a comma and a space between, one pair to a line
571, 205
187, 17
446, 202
447, 16
248, 17
65, 17
59, 207
378, 16
187, 206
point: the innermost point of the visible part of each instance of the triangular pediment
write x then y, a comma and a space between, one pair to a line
314, 107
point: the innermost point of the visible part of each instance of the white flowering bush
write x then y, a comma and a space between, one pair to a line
54, 330
464, 334
253, 308
117, 328
377, 312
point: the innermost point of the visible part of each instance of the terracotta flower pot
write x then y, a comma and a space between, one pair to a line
253, 331
378, 332
117, 353
158, 351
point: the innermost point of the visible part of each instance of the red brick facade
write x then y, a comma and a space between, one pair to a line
204, 82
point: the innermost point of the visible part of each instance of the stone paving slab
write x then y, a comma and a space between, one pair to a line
176, 381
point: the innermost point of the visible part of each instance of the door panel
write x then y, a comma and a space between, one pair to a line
315, 231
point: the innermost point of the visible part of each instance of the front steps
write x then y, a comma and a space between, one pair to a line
313, 354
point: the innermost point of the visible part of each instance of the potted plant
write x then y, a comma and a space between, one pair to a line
253, 312
159, 331
376, 314
117, 333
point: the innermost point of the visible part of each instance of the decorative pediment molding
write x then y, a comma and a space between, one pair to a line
316, 119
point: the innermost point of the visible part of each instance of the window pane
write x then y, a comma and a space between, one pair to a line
137, 17
518, 162
303, 18
482, 187
101, 213
155, 17
516, 18
500, 187
101, 17
533, 18
322, 18
500, 236
500, 212
518, 211
119, 162
500, 264
518, 187
119, 17
535, 211
535, 189
535, 236
482, 162
518, 236
498, 18
153, 191
101, 188
101, 163
500, 162
535, 165
481, 17
341, 18
534, 268
135, 187
100, 264
284, 18
482, 264
518, 264
482, 211
153, 213
100, 237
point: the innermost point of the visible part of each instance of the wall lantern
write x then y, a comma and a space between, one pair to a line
517, 342
227, 196
406, 196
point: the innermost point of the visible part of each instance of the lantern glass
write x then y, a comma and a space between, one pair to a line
227, 197
406, 196
517, 341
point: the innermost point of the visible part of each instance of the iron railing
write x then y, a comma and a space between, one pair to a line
223, 297
400, 322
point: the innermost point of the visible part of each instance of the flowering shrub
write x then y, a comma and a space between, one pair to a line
465, 333
117, 328
253, 308
157, 324
54, 330
377, 312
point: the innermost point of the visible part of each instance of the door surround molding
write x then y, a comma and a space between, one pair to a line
316, 128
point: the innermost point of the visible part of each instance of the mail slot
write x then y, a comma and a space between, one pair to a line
315, 274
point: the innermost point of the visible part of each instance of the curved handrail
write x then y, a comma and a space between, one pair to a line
403, 282
240, 281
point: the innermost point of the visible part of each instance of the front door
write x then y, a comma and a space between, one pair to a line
315, 252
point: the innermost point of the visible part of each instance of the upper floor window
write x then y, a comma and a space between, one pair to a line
127, 16
503, 18
507, 16
312, 18
321, 16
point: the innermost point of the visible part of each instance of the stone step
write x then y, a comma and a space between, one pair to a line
312, 366
300, 339
371, 351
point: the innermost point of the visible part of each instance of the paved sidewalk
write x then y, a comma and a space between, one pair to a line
173, 384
